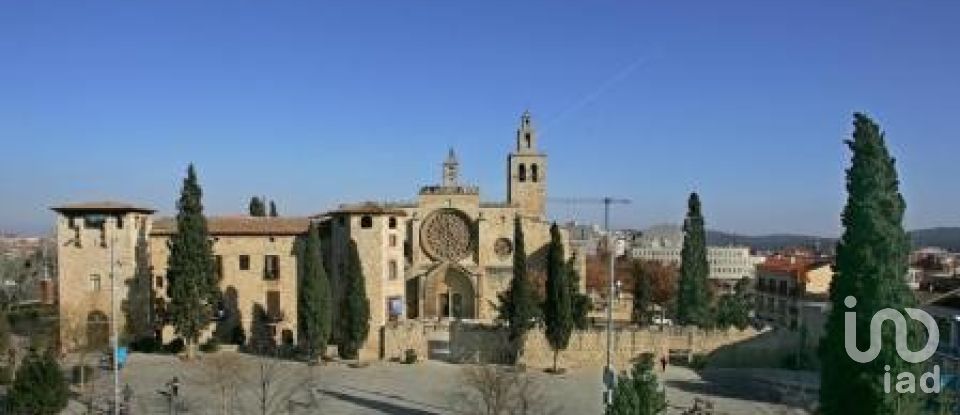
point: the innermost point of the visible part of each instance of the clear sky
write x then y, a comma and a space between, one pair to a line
314, 104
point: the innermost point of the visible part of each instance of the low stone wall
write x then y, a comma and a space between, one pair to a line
588, 348
486, 343
478, 343
398, 337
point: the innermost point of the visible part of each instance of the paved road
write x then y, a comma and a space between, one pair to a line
388, 388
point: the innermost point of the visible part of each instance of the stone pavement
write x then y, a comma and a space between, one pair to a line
429, 387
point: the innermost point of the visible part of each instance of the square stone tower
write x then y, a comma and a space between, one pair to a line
527, 174
88, 236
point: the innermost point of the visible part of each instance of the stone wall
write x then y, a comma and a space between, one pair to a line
588, 348
484, 343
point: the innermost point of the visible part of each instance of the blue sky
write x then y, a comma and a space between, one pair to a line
314, 104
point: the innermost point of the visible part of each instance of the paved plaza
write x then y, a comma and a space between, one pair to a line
235, 383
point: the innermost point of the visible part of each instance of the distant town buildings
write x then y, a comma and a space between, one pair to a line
787, 286
728, 264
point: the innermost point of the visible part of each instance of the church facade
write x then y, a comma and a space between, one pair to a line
445, 256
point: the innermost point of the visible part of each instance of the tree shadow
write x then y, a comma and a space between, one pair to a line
378, 405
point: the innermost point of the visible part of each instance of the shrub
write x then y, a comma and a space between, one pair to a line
146, 345
39, 388
238, 336
6, 375
211, 346
174, 347
698, 361
410, 356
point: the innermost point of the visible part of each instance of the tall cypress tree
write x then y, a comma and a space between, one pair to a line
693, 292
257, 207
315, 311
642, 294
557, 309
518, 304
192, 284
580, 303
354, 308
871, 264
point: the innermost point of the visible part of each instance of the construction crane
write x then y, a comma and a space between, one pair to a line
609, 373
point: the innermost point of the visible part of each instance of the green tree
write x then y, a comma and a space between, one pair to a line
638, 392
257, 207
192, 286
580, 302
314, 297
39, 388
693, 292
354, 309
557, 309
870, 264
642, 294
273, 209
4, 333
519, 304
734, 309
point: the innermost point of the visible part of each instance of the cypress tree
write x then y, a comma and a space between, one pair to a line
354, 309
39, 388
257, 207
870, 266
580, 303
693, 293
192, 285
642, 294
314, 298
518, 304
557, 310
273, 209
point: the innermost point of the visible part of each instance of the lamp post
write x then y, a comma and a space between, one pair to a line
114, 338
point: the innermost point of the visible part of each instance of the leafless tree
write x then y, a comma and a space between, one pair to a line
499, 390
221, 370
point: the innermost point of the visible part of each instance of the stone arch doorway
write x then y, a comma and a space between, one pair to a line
450, 294
98, 330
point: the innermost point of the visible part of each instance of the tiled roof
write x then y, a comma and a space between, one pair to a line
101, 206
240, 225
796, 267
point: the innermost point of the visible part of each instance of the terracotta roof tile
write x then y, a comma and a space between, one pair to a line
240, 225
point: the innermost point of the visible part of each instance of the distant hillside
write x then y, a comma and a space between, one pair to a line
948, 238
772, 242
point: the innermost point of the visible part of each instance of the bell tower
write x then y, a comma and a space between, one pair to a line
451, 170
527, 174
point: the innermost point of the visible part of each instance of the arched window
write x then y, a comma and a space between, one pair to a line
522, 173
527, 137
366, 221
534, 173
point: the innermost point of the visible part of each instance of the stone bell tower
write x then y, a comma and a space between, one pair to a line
527, 174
